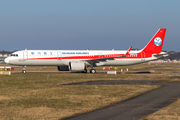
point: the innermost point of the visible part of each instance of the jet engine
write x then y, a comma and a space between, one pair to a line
77, 66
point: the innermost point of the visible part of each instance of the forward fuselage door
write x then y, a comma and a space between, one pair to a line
25, 55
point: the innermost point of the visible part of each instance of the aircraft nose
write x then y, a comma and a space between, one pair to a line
6, 60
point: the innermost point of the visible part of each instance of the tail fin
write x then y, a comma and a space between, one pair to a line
155, 44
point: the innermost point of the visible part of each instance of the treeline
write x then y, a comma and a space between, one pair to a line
173, 55
6, 52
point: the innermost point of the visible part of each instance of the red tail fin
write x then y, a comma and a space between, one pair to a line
155, 44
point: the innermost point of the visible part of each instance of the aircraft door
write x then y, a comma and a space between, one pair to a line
59, 56
25, 55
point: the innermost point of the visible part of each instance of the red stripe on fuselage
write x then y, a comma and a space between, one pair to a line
131, 56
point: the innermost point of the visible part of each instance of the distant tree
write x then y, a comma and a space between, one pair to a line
5, 52
171, 52
173, 55
134, 49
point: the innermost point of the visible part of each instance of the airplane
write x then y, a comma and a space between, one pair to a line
79, 60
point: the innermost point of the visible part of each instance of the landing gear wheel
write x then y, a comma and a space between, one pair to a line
24, 69
92, 71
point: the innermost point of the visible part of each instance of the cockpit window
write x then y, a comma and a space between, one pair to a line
15, 55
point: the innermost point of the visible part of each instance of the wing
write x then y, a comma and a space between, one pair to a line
108, 58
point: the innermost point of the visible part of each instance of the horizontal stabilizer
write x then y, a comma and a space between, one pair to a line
162, 54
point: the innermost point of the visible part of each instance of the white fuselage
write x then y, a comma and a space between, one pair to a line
63, 57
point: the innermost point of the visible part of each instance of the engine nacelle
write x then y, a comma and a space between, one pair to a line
63, 68
77, 66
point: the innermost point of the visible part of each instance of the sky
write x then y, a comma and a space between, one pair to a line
87, 24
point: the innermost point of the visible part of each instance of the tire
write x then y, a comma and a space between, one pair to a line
23, 71
92, 71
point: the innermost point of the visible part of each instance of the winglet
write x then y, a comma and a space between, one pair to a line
127, 53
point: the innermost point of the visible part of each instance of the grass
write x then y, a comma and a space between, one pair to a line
41, 93
171, 112
62, 101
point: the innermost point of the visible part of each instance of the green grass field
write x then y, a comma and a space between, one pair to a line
41, 93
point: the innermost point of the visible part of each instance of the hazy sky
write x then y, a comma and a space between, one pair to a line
83, 24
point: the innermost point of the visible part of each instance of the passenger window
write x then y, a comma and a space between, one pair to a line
32, 53
51, 53
39, 53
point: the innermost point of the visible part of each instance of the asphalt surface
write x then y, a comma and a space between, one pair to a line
136, 107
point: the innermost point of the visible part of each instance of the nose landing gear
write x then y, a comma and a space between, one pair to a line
24, 69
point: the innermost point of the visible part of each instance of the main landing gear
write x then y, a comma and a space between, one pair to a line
24, 69
85, 71
92, 70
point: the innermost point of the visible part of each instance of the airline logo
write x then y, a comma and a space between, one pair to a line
157, 41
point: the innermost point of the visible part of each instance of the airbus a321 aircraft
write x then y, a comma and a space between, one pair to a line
79, 60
